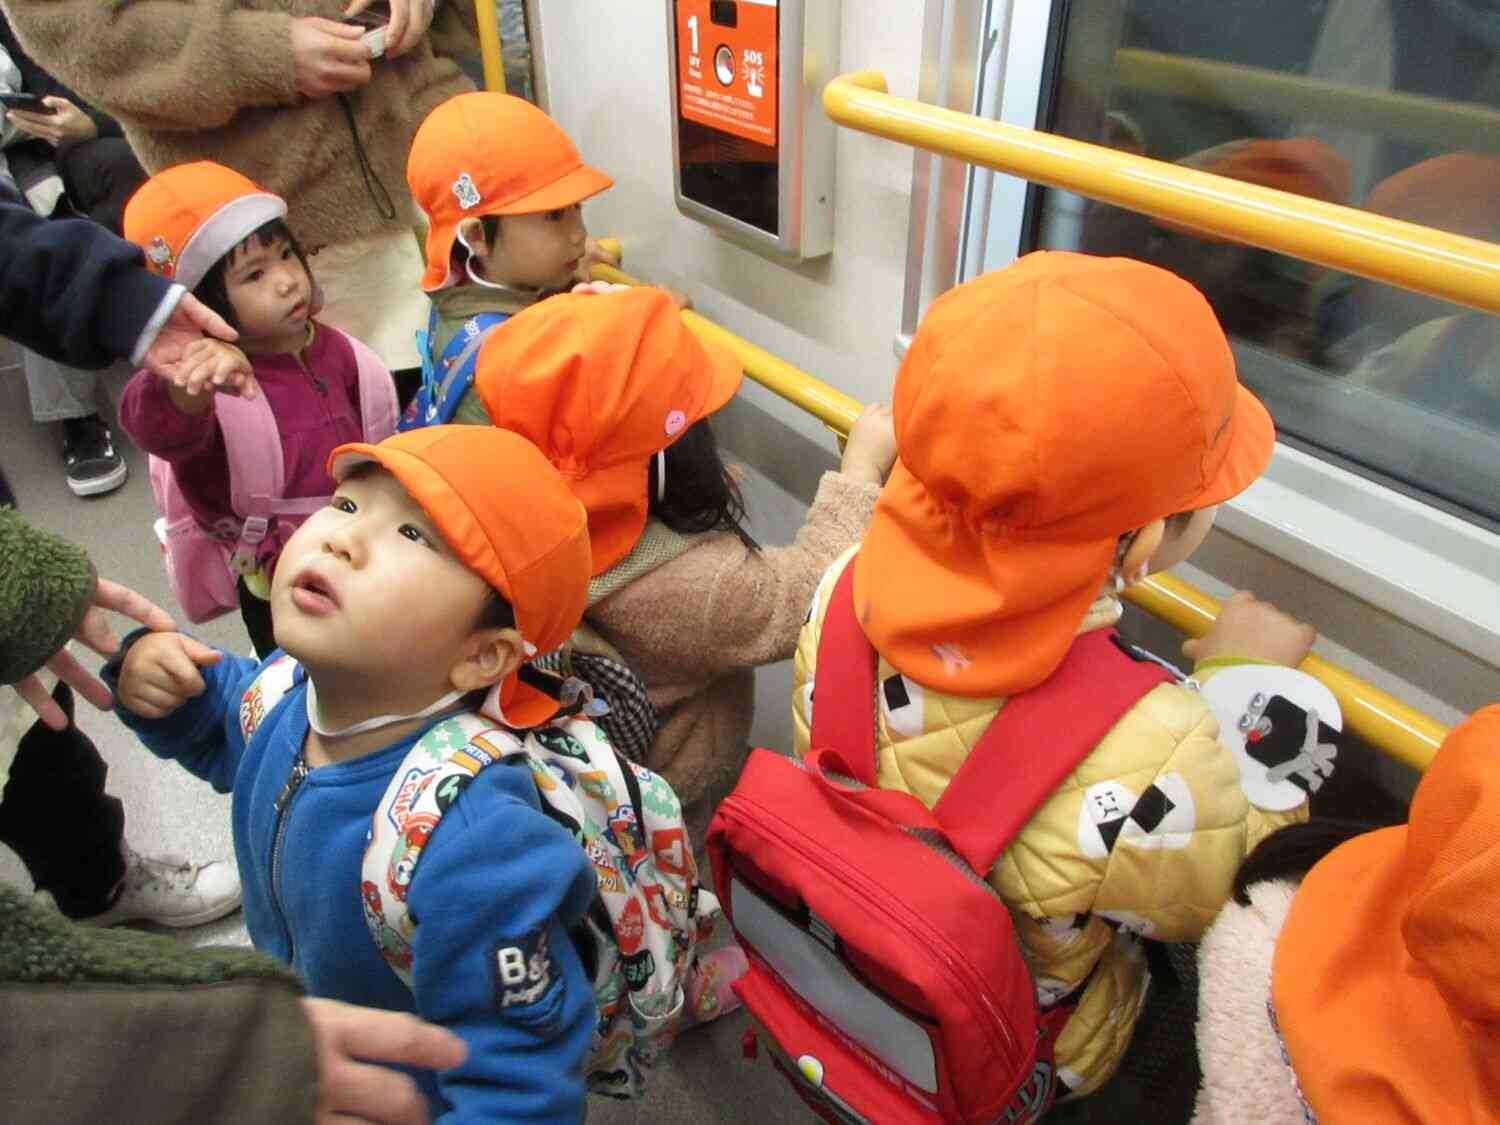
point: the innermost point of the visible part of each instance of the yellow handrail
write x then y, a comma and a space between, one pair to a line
1395, 729
1387, 113
1449, 266
490, 47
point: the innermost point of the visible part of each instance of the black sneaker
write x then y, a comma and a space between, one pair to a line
89, 457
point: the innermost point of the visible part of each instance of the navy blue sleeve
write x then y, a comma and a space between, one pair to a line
198, 736
71, 290
496, 891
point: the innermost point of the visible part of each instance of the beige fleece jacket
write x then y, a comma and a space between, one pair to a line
695, 628
214, 80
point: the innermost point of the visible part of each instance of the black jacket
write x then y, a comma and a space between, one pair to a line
72, 291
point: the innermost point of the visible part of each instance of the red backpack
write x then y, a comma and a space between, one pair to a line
883, 968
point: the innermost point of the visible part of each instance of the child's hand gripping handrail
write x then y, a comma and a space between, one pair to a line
1395, 729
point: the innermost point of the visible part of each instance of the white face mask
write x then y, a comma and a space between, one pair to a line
316, 722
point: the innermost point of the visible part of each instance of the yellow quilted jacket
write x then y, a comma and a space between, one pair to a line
1083, 879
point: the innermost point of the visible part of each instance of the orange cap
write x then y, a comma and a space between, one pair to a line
1386, 977
1455, 193
1300, 165
509, 518
601, 383
490, 154
1043, 411
189, 216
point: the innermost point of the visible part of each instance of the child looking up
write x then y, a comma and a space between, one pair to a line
1066, 426
219, 235
618, 394
444, 559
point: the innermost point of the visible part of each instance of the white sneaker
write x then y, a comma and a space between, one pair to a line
171, 892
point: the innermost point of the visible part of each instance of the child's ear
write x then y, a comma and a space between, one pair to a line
471, 232
1146, 543
490, 656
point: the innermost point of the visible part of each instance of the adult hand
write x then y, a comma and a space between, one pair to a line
410, 20
66, 126
190, 322
348, 1040
93, 631
328, 57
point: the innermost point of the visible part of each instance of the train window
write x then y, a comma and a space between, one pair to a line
1389, 105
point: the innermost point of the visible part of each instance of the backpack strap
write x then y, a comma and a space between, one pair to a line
378, 406
423, 788
1024, 754
445, 382
252, 448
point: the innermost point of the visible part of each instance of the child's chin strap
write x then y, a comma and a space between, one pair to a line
484, 281
314, 717
661, 475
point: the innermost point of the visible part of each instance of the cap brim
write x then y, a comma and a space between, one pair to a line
436, 497
1252, 441
222, 231
1360, 1017
576, 186
726, 376
963, 614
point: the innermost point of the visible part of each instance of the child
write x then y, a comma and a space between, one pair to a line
1368, 988
502, 187
1067, 425
444, 559
216, 233
618, 393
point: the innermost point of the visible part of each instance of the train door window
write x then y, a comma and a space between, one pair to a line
1389, 105
516, 48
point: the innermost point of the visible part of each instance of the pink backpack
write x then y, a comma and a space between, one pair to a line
884, 970
203, 564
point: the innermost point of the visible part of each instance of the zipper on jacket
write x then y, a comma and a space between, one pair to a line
300, 770
318, 384
952, 959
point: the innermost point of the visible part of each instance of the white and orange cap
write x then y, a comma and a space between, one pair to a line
189, 216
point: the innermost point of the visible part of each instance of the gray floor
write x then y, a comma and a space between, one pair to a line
705, 1079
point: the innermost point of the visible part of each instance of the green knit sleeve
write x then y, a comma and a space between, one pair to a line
46, 586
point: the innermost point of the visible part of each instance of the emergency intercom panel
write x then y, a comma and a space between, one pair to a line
752, 148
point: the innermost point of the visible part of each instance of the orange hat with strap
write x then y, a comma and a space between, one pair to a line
602, 383
1042, 412
1386, 978
189, 216
505, 512
1301, 165
490, 154
1454, 192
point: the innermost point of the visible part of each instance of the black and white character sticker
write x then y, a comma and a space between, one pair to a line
1282, 727
1113, 814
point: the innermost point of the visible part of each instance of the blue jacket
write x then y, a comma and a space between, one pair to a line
498, 880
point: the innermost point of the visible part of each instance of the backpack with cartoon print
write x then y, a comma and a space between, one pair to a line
640, 937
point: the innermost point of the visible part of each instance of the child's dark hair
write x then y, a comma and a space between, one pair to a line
700, 494
1291, 852
213, 291
497, 613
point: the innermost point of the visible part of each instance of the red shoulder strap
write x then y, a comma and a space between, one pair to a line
1034, 742
843, 709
